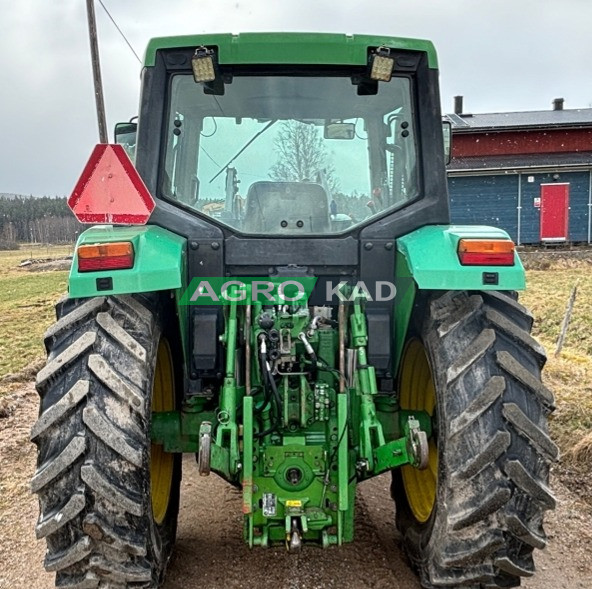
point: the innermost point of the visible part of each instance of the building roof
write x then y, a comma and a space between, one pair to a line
504, 121
511, 163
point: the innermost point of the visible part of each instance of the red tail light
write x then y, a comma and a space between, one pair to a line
486, 252
105, 256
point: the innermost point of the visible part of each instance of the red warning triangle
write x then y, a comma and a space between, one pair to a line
110, 190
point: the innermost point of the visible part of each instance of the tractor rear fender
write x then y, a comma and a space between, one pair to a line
160, 264
432, 258
427, 259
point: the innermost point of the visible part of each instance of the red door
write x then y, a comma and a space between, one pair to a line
554, 212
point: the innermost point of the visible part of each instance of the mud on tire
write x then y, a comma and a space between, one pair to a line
493, 445
93, 440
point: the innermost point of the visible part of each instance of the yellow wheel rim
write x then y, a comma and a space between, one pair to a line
417, 393
161, 462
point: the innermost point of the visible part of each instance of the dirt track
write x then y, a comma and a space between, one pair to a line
210, 552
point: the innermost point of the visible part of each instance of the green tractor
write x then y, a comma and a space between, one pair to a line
274, 286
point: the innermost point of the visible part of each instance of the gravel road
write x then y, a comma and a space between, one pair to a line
210, 552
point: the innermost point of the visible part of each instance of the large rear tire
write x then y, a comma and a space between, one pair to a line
108, 498
474, 517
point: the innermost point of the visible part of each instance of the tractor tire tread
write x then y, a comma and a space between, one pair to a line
521, 374
490, 453
534, 434
71, 555
57, 411
507, 304
485, 399
507, 326
92, 476
51, 524
87, 581
54, 368
493, 408
474, 351
97, 528
51, 469
78, 315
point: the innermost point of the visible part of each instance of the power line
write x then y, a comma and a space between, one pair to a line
120, 31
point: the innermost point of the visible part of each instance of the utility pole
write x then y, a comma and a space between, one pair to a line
96, 65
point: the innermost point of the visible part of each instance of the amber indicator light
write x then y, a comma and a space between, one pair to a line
486, 252
105, 256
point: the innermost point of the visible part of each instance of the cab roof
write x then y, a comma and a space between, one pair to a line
291, 48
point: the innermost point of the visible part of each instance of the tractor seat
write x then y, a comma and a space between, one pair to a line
286, 207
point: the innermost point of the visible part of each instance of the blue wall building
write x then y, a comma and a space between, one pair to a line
528, 173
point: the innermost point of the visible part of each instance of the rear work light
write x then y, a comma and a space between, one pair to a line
382, 65
105, 256
202, 64
486, 252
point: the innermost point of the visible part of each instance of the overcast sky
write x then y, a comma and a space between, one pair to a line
502, 55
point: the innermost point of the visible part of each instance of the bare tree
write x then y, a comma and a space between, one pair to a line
302, 156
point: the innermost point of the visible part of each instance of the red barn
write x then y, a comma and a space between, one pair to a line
527, 172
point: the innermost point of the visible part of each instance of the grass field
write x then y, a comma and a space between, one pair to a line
570, 375
26, 308
27, 300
